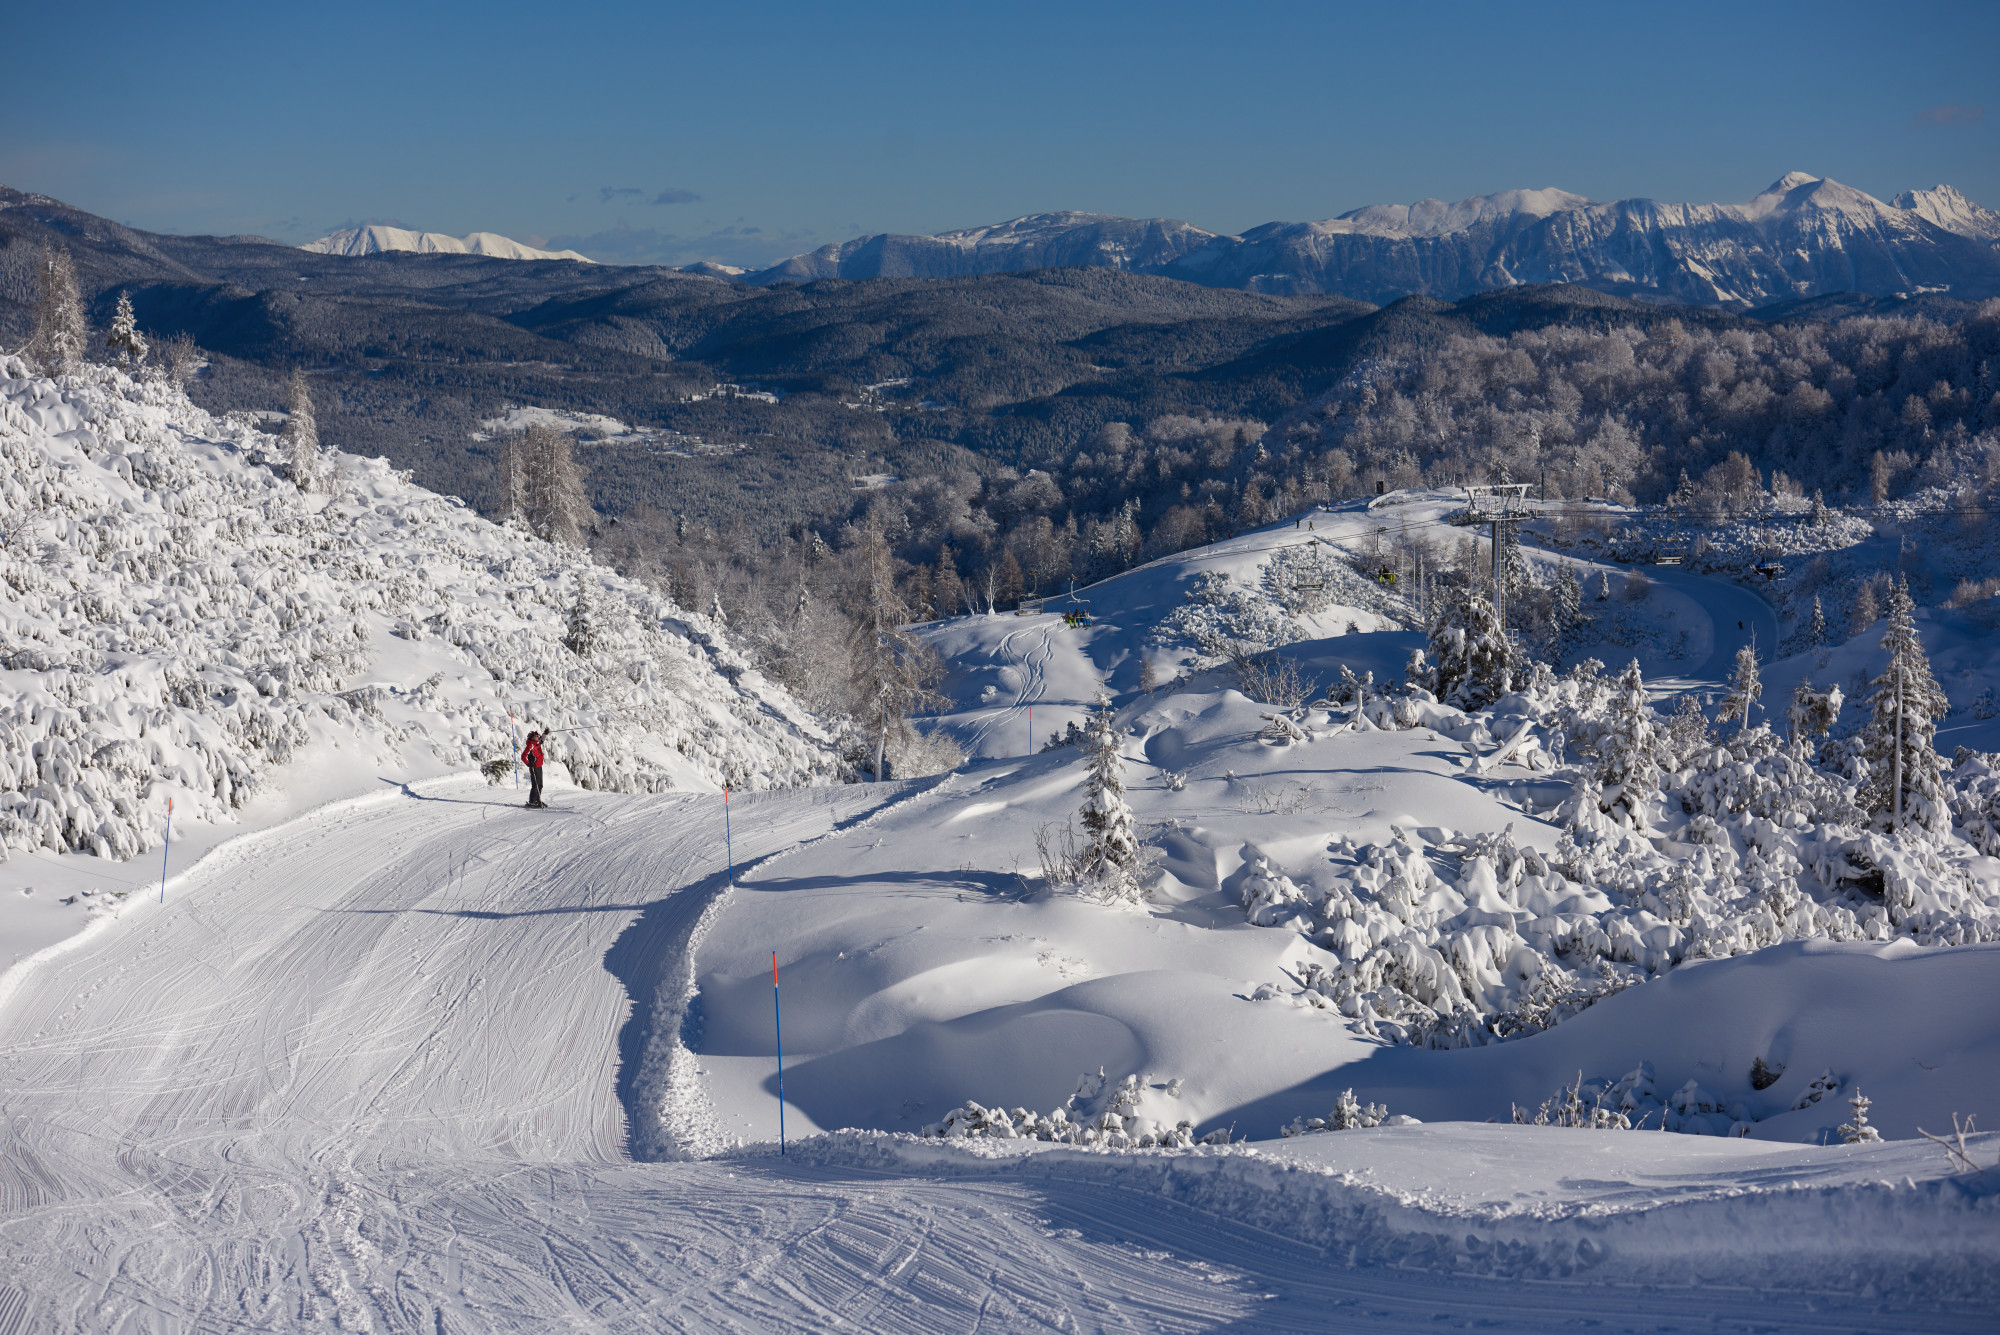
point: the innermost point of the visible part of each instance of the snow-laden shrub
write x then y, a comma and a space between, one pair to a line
1224, 619
177, 618
1347, 1114
1103, 1113
1673, 848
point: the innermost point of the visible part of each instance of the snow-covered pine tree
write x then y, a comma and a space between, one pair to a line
1858, 1132
302, 461
1628, 766
715, 612
124, 340
892, 670
1905, 788
582, 636
513, 481
1745, 688
1474, 658
1816, 625
1687, 733
552, 495
1566, 614
1604, 586
1113, 856
1813, 713
60, 332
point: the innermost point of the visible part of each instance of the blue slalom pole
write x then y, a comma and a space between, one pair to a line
168, 849
729, 844
778, 1019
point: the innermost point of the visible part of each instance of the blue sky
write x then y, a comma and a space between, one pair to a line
666, 132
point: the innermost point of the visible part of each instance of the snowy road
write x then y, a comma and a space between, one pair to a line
365, 1071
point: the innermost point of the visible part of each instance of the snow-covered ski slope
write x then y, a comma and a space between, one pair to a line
414, 1059
179, 623
395, 1091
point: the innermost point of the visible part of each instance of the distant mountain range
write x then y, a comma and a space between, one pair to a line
375, 239
1805, 236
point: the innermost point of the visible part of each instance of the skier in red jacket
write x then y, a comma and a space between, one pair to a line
531, 756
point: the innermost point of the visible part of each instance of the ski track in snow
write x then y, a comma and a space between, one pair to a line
1034, 665
315, 1090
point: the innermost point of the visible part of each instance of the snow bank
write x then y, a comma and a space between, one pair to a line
1542, 1203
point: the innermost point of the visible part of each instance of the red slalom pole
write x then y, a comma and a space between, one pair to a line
777, 1015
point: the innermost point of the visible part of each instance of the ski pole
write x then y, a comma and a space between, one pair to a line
778, 1020
513, 742
168, 849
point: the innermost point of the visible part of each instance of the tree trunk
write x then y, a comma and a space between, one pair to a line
1896, 764
881, 742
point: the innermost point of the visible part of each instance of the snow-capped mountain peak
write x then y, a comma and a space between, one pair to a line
375, 238
1434, 217
1942, 206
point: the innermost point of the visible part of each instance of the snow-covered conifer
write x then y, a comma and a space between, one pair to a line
1813, 712
1745, 688
552, 495
302, 459
1905, 788
1604, 586
1687, 734
1473, 655
124, 340
1628, 767
582, 634
1113, 856
1858, 1132
1816, 627
1566, 614
60, 332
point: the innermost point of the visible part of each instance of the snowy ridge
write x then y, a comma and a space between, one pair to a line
181, 622
1802, 236
377, 238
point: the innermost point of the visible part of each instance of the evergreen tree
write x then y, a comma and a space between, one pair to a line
1566, 614
1473, 655
1604, 586
302, 460
1628, 767
582, 637
543, 474
1114, 838
124, 341
1905, 788
1745, 688
1858, 1131
59, 330
1816, 627
1813, 713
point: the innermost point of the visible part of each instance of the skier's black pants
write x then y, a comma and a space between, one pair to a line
534, 785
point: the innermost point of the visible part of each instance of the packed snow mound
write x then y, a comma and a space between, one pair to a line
178, 620
376, 238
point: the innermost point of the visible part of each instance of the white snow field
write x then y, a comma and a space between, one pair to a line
394, 1054
317, 1089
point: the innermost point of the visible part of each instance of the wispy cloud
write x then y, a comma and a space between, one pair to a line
675, 195
632, 194
1949, 113
611, 192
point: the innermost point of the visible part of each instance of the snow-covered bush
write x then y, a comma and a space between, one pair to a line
177, 619
1103, 1113
1224, 619
1347, 1114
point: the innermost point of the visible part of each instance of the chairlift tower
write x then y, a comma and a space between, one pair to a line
1510, 508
